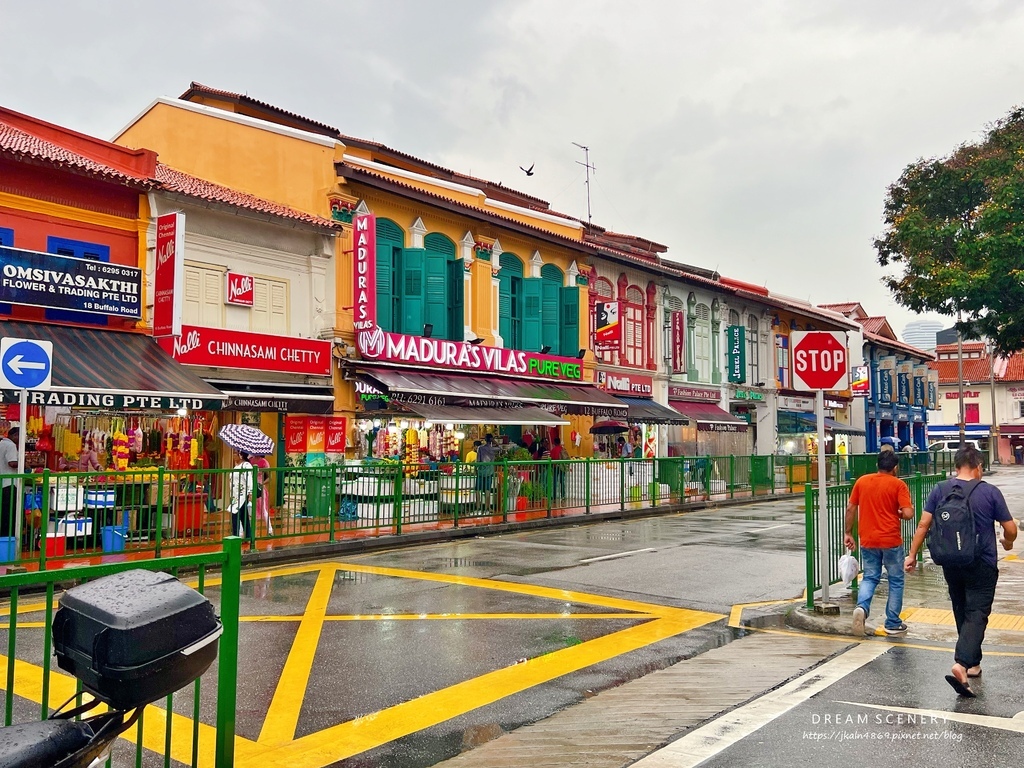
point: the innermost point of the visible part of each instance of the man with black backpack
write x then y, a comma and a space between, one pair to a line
959, 519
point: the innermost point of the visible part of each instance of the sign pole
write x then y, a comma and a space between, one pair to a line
20, 505
822, 500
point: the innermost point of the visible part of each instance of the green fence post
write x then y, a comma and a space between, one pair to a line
502, 496
586, 483
227, 664
732, 478
622, 484
253, 501
399, 488
549, 484
919, 500
159, 508
458, 493
809, 541
332, 514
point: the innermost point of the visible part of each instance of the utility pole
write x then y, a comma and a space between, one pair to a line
993, 448
960, 376
586, 164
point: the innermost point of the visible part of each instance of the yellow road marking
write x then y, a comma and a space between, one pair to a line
943, 617
277, 744
351, 738
28, 684
736, 614
283, 715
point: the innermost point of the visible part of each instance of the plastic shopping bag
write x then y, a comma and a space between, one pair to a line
848, 568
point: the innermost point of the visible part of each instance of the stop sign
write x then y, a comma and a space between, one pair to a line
820, 360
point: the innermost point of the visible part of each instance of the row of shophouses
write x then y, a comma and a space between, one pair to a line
356, 301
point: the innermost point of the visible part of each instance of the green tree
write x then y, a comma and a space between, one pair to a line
954, 229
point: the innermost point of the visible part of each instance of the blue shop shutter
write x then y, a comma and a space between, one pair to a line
532, 313
413, 291
570, 321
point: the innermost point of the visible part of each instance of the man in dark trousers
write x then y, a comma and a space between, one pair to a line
971, 587
879, 501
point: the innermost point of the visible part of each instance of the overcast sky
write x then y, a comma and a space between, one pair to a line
756, 138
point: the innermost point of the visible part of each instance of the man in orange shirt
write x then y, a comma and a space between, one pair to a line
878, 502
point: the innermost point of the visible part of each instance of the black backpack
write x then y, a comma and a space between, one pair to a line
952, 538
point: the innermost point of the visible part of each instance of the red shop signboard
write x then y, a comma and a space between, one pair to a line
335, 442
241, 289
295, 434
221, 348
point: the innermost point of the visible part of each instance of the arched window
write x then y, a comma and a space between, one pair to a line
510, 301
551, 309
702, 342
390, 275
633, 317
734, 317
753, 350
443, 288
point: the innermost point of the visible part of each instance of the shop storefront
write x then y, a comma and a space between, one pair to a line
265, 379
117, 402
710, 430
744, 404
427, 416
645, 420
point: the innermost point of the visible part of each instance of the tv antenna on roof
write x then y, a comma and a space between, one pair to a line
586, 164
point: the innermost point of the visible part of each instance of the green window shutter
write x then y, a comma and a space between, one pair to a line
570, 341
532, 320
390, 239
412, 292
435, 307
505, 309
550, 320
384, 257
456, 299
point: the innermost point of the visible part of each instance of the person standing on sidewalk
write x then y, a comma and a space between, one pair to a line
11, 482
878, 502
972, 587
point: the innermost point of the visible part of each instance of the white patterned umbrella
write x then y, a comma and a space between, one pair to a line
246, 439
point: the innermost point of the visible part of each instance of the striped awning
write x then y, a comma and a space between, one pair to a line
109, 369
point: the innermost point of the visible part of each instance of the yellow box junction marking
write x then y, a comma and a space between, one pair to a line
277, 745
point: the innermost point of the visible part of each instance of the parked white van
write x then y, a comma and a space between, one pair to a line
951, 445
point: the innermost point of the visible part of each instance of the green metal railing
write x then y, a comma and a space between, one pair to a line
158, 512
837, 499
154, 732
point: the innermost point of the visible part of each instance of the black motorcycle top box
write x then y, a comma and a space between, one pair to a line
135, 637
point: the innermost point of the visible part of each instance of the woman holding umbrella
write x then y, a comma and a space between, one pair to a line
247, 442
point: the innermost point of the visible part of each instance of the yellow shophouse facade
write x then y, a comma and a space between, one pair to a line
478, 292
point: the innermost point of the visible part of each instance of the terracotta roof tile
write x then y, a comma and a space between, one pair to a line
968, 346
974, 370
508, 193
21, 145
843, 307
1014, 368
878, 325
173, 180
899, 346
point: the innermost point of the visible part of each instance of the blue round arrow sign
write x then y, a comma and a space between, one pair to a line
26, 365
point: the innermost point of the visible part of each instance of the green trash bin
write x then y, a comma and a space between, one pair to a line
319, 491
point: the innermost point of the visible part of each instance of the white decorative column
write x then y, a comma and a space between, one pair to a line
536, 262
496, 251
571, 274
466, 246
417, 231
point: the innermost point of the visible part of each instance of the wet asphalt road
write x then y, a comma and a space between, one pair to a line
706, 560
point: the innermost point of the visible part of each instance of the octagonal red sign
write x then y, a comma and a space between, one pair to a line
820, 360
